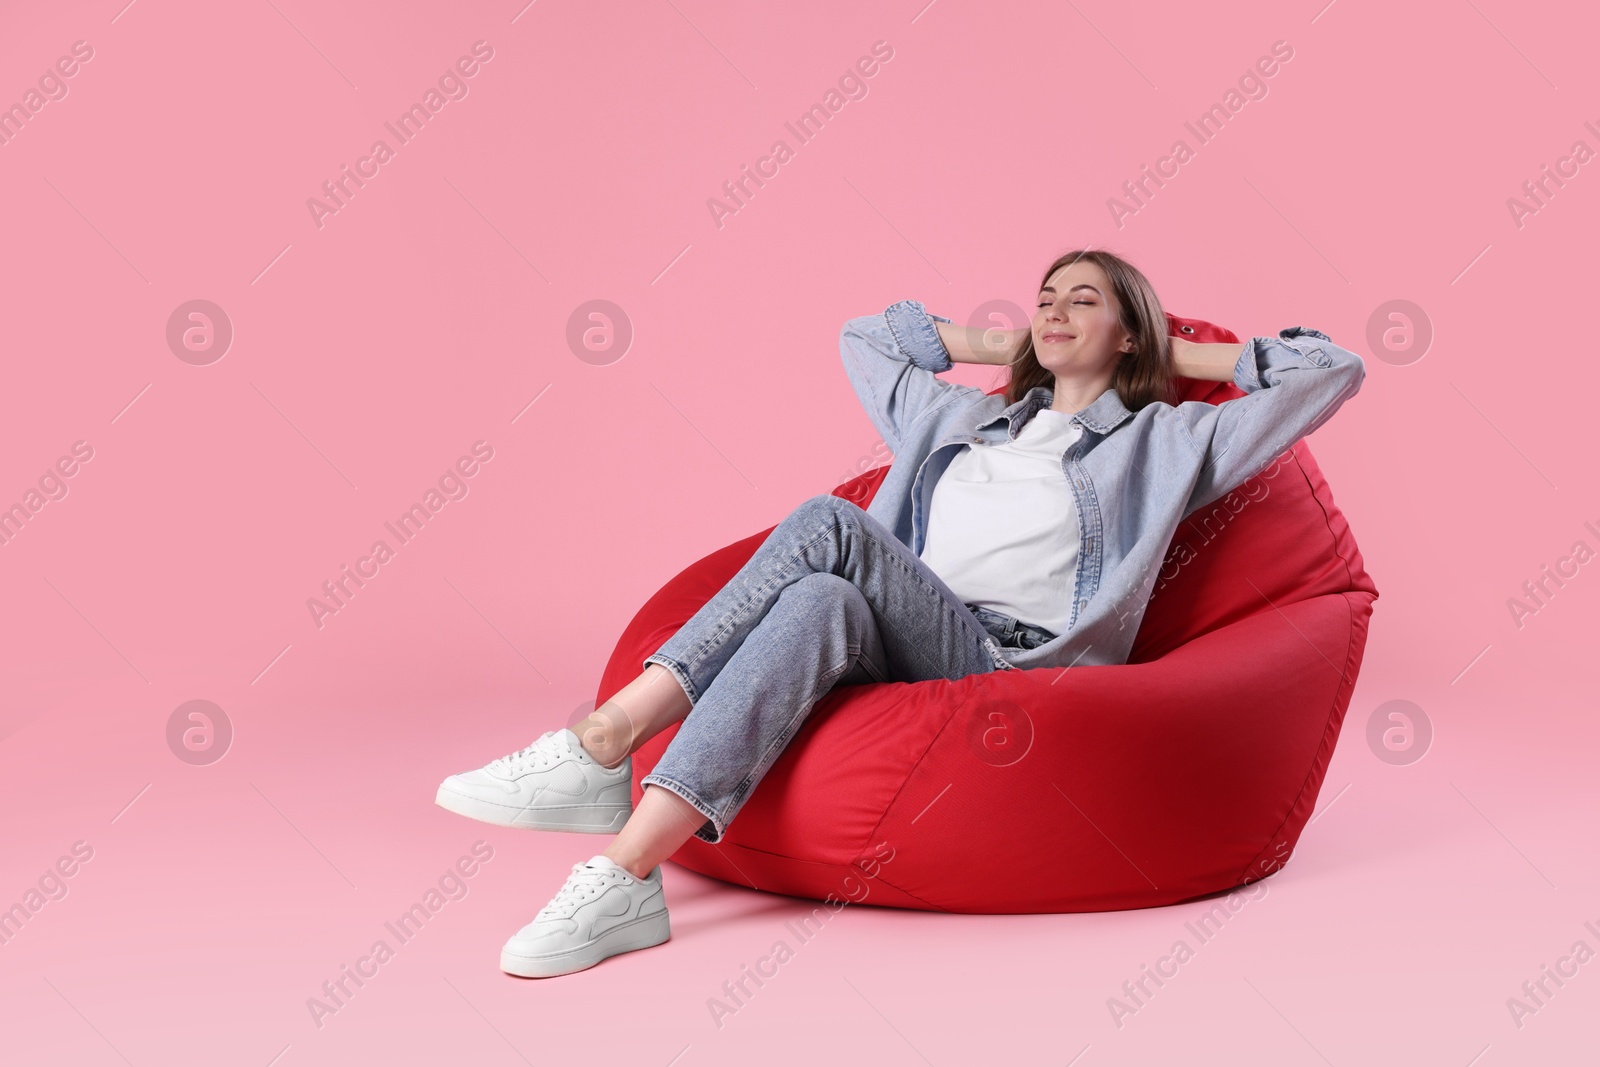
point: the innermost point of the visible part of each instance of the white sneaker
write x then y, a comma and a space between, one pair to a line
553, 784
600, 912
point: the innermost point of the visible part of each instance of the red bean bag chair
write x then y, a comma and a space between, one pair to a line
1187, 771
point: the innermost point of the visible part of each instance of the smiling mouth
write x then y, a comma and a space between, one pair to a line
1051, 337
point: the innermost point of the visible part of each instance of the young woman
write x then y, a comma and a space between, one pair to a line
1012, 531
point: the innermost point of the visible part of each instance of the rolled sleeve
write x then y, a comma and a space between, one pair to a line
1264, 359
912, 327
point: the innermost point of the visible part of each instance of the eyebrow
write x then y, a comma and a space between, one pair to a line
1075, 288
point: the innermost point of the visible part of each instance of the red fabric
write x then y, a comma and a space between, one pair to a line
1187, 771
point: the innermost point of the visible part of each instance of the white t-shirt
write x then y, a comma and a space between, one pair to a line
1003, 527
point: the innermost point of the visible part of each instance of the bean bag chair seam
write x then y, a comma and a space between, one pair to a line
723, 845
722, 849
1350, 580
894, 801
1347, 681
1351, 588
931, 906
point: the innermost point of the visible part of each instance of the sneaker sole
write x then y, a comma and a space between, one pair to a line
577, 819
644, 932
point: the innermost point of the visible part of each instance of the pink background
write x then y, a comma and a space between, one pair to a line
370, 353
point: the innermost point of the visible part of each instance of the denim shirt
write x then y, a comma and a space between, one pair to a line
1133, 475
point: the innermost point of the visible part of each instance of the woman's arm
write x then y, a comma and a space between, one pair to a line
1294, 383
893, 360
968, 344
1203, 361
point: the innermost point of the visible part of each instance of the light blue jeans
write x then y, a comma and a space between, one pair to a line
831, 597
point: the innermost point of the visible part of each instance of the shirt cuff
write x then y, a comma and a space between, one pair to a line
1263, 357
911, 324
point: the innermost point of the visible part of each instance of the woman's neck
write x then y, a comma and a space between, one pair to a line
1075, 394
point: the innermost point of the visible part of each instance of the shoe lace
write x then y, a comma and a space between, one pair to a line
542, 753
583, 885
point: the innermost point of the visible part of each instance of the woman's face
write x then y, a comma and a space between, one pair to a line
1077, 328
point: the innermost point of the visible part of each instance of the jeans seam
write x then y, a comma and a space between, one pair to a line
912, 573
781, 742
726, 626
678, 672
859, 657
689, 796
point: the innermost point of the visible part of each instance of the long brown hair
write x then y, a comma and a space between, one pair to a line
1142, 376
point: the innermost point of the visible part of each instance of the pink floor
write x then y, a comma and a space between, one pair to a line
214, 490
217, 904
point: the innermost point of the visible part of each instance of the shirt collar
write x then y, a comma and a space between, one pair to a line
1102, 416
